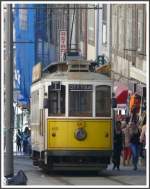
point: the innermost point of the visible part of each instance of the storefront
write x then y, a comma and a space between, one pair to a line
121, 95
139, 89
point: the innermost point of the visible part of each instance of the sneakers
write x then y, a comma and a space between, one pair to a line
115, 167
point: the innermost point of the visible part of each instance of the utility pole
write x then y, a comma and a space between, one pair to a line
9, 111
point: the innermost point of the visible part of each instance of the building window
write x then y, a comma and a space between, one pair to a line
91, 26
52, 17
114, 26
140, 28
104, 25
23, 18
82, 25
129, 28
121, 28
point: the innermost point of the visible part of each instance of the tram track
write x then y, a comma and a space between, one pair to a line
68, 179
117, 180
108, 177
63, 181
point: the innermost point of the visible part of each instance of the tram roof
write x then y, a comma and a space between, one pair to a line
76, 76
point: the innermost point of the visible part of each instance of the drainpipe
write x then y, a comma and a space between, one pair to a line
99, 30
110, 33
97, 33
85, 35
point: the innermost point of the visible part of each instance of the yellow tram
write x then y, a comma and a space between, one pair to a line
71, 117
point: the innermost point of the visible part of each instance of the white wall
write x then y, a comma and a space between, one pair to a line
91, 52
106, 49
138, 74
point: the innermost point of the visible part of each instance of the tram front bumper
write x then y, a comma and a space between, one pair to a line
79, 159
77, 153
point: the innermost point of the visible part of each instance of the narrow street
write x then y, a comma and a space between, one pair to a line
74, 94
126, 176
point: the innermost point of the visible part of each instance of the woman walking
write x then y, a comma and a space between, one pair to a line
126, 145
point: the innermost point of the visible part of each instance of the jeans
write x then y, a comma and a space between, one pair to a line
135, 154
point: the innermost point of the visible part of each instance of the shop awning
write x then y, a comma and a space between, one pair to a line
121, 94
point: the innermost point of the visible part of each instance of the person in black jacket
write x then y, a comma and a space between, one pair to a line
19, 140
118, 145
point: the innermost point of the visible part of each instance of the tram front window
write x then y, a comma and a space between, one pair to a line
103, 101
80, 100
56, 99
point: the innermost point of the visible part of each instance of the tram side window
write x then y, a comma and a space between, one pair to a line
35, 112
103, 101
80, 101
56, 99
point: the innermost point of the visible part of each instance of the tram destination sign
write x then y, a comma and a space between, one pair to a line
62, 43
81, 87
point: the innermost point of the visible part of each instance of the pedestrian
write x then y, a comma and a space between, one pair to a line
25, 140
126, 144
118, 144
134, 144
119, 116
19, 140
143, 141
29, 144
135, 108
